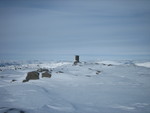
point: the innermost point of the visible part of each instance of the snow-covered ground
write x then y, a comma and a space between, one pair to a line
89, 87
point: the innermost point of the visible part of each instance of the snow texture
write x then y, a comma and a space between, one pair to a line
89, 87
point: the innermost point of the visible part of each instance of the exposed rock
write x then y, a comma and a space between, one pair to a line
1, 76
59, 72
88, 75
103, 64
46, 74
25, 80
110, 65
75, 62
13, 110
97, 63
90, 68
13, 80
32, 75
98, 72
42, 70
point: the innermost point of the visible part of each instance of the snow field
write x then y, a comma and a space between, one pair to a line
119, 88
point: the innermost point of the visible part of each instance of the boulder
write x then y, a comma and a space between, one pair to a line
46, 74
32, 75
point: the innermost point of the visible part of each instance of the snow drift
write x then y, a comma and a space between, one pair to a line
145, 64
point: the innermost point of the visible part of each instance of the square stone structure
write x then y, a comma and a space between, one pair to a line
77, 58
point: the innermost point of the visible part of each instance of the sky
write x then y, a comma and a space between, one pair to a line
60, 29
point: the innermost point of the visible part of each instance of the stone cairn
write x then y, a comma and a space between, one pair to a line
76, 60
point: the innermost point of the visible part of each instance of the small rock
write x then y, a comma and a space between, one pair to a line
1, 76
42, 70
110, 65
98, 72
103, 64
76, 63
90, 68
25, 80
88, 75
13, 110
13, 80
46, 74
59, 72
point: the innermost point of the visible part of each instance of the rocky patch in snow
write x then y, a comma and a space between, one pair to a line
34, 75
88, 87
11, 110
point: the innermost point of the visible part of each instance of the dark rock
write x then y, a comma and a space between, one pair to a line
97, 63
110, 65
14, 110
46, 74
98, 72
103, 64
13, 80
90, 69
59, 72
88, 75
32, 75
42, 70
25, 80
75, 62
1, 76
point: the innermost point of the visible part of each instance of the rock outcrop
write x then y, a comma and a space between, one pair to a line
34, 75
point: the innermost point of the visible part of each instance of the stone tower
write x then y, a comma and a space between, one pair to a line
76, 59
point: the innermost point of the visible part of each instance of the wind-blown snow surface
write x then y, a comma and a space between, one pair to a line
89, 87
145, 64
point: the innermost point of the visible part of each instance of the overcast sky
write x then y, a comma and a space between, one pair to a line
57, 29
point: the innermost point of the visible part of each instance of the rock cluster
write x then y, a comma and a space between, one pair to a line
34, 75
